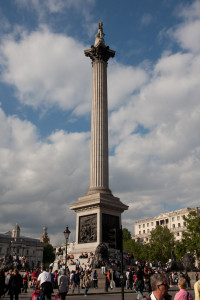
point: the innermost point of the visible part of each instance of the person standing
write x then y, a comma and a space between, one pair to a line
159, 287
76, 281
95, 279
139, 283
15, 284
63, 285
86, 282
7, 279
46, 288
2, 283
183, 294
197, 290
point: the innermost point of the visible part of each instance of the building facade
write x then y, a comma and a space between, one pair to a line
12, 243
173, 220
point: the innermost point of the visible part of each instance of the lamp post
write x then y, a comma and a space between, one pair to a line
66, 234
122, 265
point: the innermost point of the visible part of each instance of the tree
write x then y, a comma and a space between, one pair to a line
48, 253
161, 244
191, 237
180, 250
126, 234
140, 251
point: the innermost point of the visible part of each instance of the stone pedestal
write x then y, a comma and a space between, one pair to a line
98, 219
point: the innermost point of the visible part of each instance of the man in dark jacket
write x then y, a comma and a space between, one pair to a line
15, 284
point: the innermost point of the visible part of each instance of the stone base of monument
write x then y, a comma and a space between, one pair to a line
98, 220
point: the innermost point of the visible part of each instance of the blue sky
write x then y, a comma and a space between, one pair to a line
45, 99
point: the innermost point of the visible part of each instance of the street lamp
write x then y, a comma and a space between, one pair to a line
122, 265
66, 234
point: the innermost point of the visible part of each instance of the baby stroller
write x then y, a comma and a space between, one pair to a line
36, 294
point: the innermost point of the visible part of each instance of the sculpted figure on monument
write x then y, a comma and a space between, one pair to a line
88, 229
100, 29
99, 36
186, 264
101, 256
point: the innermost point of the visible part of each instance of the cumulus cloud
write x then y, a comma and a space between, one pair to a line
40, 178
160, 166
43, 68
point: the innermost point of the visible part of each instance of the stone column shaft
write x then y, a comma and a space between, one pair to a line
99, 177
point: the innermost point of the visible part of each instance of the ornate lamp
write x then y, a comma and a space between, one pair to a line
66, 234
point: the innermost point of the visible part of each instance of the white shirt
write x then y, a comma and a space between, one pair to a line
44, 276
152, 296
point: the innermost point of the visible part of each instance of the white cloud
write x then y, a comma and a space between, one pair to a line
43, 68
159, 170
56, 6
146, 19
40, 178
187, 34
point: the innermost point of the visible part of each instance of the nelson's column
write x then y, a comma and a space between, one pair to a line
98, 216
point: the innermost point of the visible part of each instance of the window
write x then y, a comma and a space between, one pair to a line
143, 225
147, 230
178, 234
139, 232
172, 219
184, 223
167, 221
147, 224
143, 231
157, 223
139, 226
151, 223
178, 218
147, 239
173, 225
179, 224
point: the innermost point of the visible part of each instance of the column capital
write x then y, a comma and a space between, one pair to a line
101, 52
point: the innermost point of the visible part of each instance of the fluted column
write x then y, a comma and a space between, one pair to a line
99, 128
99, 165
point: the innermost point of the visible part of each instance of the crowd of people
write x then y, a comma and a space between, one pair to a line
150, 277
43, 282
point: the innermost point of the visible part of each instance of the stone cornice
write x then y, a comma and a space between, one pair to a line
98, 200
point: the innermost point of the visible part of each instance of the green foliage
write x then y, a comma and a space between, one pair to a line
139, 250
126, 234
161, 244
180, 250
191, 237
48, 253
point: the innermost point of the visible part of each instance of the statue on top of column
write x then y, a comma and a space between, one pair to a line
100, 34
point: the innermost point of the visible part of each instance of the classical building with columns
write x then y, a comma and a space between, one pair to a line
173, 220
12, 242
98, 213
